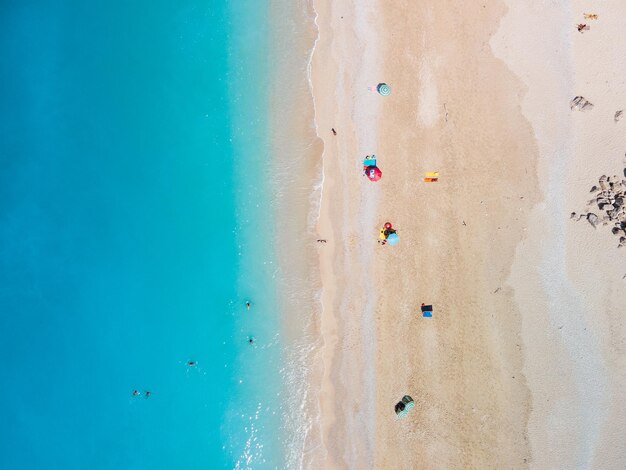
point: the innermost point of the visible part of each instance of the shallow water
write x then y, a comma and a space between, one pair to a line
137, 217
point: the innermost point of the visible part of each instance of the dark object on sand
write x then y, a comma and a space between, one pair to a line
383, 89
403, 407
334, 131
427, 311
579, 103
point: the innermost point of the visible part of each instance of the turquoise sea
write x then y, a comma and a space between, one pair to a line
135, 221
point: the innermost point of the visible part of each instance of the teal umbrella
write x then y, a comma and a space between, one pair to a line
404, 406
393, 239
383, 89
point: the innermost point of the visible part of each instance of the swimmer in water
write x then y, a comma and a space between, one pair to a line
248, 305
148, 394
192, 363
250, 340
136, 393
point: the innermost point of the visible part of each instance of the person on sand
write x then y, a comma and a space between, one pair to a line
334, 131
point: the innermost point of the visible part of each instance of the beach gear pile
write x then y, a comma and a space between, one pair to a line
427, 311
370, 169
388, 235
405, 405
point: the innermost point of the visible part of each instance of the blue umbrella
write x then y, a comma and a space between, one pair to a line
393, 239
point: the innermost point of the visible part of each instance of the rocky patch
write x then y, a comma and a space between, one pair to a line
607, 206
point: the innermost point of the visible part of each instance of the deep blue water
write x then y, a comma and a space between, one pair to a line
127, 244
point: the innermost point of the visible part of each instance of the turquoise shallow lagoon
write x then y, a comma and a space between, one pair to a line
135, 220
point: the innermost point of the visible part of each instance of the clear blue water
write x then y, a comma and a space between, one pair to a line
133, 225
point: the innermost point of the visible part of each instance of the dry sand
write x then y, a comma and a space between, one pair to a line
521, 364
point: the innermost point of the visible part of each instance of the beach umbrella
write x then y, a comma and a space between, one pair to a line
393, 239
403, 407
373, 173
383, 89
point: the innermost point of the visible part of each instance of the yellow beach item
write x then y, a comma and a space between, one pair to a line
431, 177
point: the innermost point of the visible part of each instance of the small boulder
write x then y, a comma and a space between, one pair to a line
593, 219
579, 103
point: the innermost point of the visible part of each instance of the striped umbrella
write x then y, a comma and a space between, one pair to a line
383, 89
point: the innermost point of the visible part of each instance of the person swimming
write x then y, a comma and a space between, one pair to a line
148, 394
250, 339
192, 363
248, 304
136, 393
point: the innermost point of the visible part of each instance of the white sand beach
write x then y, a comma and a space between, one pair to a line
521, 364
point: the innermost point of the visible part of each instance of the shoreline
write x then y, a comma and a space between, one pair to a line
295, 167
346, 344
